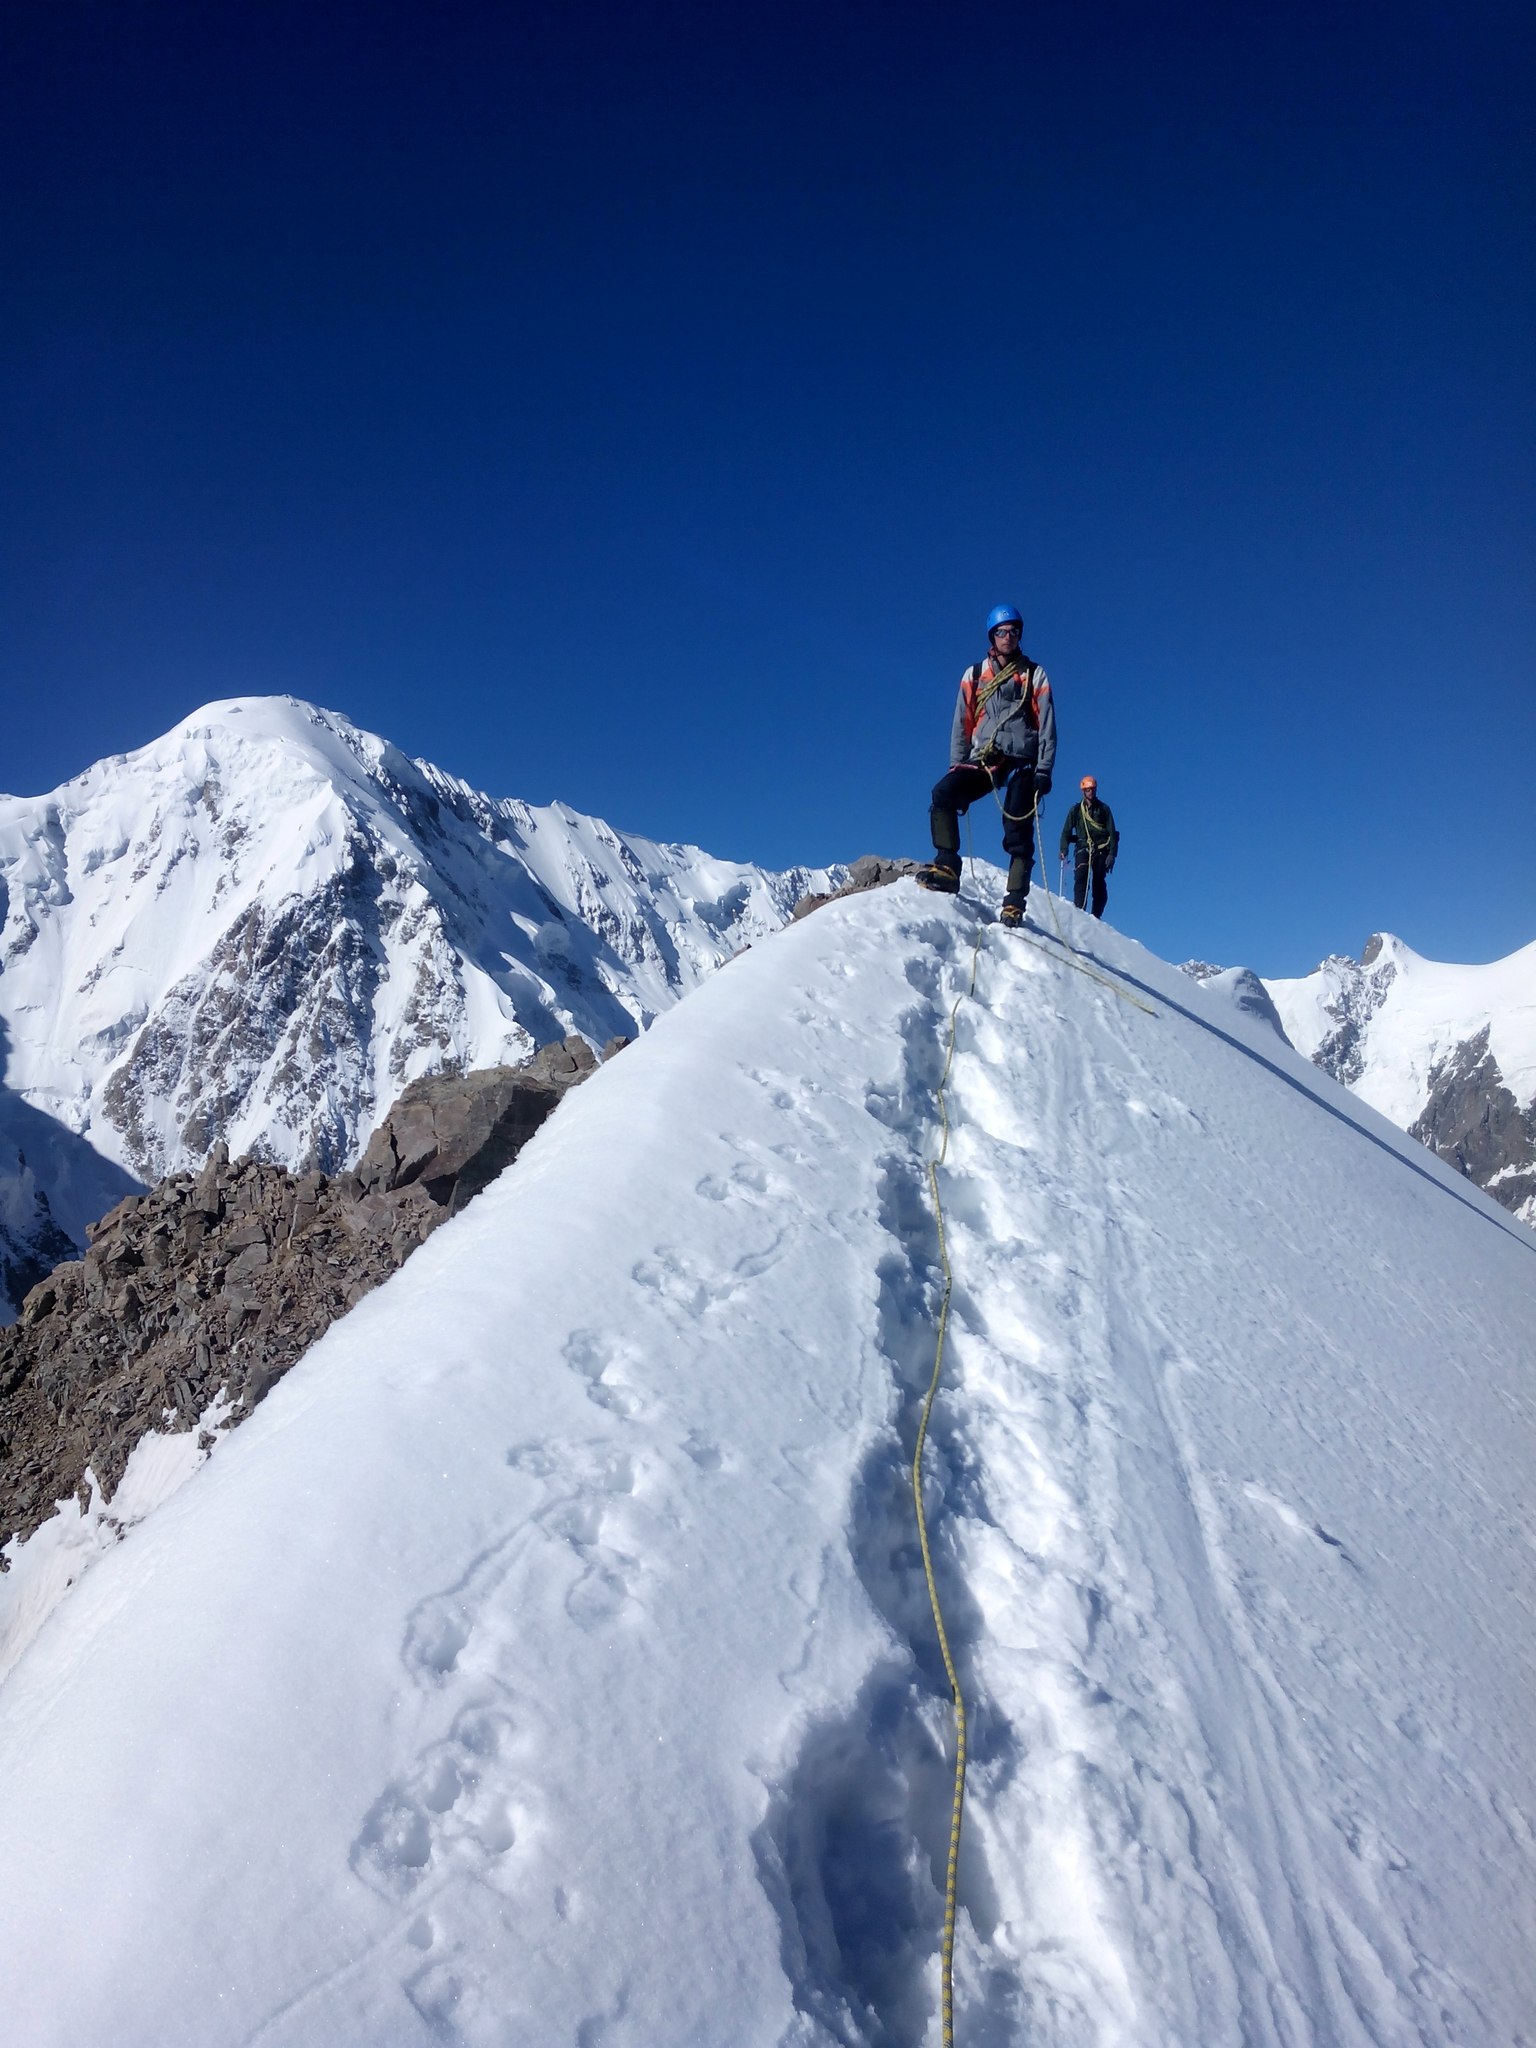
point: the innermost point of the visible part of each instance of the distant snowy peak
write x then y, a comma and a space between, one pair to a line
1326, 1013
1383, 1022
265, 923
1447, 1052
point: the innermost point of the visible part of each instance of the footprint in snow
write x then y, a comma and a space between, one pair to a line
437, 1635
607, 1364
586, 1485
453, 2001
608, 1576
746, 1182
791, 1093
574, 1468
461, 1807
703, 1453
673, 1276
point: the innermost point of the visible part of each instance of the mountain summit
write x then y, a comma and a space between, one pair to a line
262, 926
548, 1660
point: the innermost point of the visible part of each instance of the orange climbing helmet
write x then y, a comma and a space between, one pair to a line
1089, 782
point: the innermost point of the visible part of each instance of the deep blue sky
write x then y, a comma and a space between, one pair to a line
644, 407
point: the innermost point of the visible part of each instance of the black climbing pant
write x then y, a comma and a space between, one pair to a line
953, 795
1080, 882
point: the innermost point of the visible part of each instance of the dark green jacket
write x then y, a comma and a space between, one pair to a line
1092, 825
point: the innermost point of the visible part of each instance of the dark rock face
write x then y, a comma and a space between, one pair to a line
221, 1280
1474, 1123
52, 1182
868, 872
1362, 991
286, 985
30, 1252
31, 1242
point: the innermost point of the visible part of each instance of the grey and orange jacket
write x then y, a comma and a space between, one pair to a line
1017, 719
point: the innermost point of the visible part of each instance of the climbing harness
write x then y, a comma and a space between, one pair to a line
1093, 842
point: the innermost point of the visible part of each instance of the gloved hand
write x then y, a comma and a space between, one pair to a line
1042, 782
1109, 865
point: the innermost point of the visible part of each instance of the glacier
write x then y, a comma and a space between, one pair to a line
548, 1659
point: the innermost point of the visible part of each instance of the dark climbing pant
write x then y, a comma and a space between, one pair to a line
1080, 882
953, 795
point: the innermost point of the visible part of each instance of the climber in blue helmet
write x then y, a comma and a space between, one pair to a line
1003, 737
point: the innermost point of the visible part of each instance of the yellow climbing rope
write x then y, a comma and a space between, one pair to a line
957, 1809
1074, 959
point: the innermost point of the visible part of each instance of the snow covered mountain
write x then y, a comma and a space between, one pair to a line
260, 927
1447, 1052
548, 1660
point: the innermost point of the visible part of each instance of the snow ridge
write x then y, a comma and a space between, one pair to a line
580, 1555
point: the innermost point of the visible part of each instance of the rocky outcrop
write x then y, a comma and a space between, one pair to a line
1473, 1122
217, 1282
870, 871
1359, 992
450, 1135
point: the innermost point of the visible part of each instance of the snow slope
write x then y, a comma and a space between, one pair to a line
263, 925
547, 1661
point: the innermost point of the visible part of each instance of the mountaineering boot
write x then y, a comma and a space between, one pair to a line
1017, 892
935, 875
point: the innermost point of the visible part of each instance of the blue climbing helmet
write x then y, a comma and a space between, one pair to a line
1003, 615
